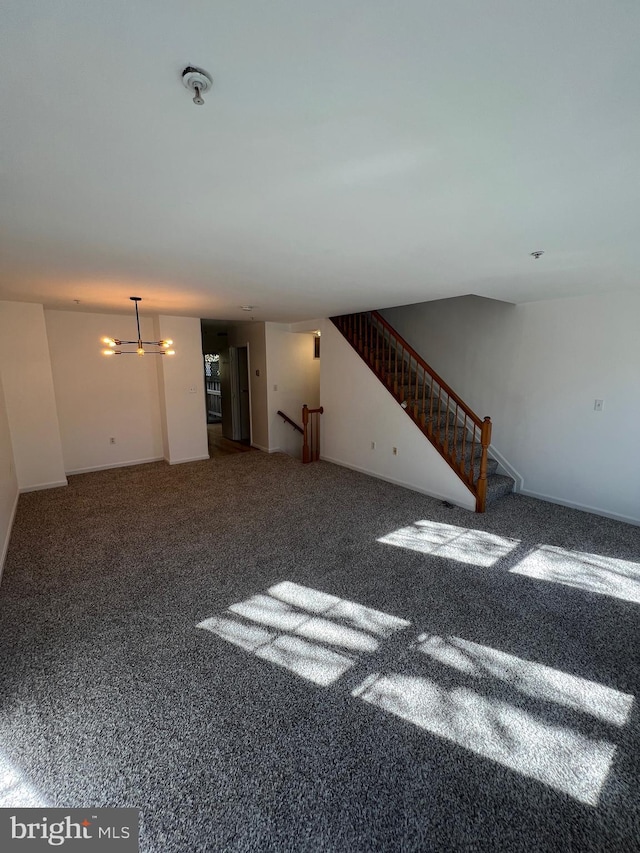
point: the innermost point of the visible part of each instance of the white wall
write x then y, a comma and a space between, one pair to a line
253, 336
181, 378
8, 481
536, 369
358, 410
29, 396
99, 397
294, 379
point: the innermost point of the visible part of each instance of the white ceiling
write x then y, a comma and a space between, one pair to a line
353, 154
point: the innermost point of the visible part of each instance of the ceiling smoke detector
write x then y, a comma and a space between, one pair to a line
196, 80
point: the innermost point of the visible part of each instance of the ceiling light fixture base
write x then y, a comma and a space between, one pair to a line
198, 81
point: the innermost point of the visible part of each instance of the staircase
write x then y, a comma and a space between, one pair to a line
452, 427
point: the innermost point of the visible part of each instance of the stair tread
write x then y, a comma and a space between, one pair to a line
498, 486
501, 480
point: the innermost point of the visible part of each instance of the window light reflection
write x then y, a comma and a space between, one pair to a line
590, 572
316, 635
462, 544
530, 678
561, 757
15, 791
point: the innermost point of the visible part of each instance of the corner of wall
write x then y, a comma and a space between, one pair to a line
9, 493
7, 524
32, 417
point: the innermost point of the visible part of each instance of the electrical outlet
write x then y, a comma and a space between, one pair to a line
395, 451
112, 440
373, 445
192, 389
275, 387
598, 405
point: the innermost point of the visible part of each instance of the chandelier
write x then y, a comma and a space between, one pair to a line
114, 344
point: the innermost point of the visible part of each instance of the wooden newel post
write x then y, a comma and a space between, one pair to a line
306, 450
485, 440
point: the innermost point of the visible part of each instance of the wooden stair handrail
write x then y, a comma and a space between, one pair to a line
412, 353
310, 451
289, 421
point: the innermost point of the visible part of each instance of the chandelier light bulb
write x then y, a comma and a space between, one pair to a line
108, 352
170, 352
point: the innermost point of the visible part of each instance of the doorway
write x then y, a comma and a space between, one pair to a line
212, 387
234, 385
226, 379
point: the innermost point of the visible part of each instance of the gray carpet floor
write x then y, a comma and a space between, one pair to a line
266, 656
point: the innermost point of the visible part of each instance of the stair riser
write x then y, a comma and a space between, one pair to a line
411, 394
498, 486
492, 465
496, 494
405, 380
455, 433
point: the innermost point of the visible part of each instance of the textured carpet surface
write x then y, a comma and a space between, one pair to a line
262, 655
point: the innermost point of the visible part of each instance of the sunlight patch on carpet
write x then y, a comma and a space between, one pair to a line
565, 759
313, 634
15, 791
452, 543
532, 679
589, 572
313, 662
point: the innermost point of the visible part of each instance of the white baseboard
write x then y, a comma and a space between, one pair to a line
40, 486
260, 447
189, 459
5, 544
583, 507
114, 465
404, 485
